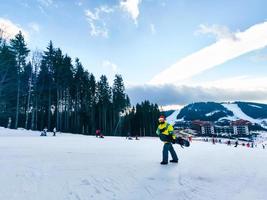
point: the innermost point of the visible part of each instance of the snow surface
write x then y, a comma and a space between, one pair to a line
173, 117
255, 106
76, 167
238, 113
212, 113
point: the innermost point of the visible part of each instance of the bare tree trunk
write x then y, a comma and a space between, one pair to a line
105, 120
61, 107
57, 109
92, 122
36, 113
49, 109
28, 101
17, 107
3, 80
32, 121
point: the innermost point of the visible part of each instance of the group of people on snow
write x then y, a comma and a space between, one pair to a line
236, 143
44, 132
165, 131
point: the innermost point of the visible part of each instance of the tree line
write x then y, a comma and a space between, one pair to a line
49, 89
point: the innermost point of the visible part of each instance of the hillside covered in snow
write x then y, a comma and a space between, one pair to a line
212, 111
77, 167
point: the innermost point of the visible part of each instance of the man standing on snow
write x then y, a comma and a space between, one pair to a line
54, 131
165, 133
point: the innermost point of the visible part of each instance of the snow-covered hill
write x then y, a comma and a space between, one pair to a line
212, 111
172, 118
76, 167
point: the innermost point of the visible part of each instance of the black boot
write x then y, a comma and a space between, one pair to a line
174, 161
164, 163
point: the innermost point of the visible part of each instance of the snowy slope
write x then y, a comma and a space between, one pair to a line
75, 167
172, 118
212, 111
239, 114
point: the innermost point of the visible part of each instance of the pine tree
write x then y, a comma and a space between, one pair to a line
120, 101
48, 63
142, 119
91, 100
103, 97
78, 84
8, 84
19, 47
27, 76
29, 89
36, 64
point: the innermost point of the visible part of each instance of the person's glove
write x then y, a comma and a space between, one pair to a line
173, 139
162, 130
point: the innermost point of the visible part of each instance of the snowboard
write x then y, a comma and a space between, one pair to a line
183, 142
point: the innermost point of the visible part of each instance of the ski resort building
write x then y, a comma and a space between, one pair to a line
238, 127
182, 124
223, 130
203, 127
241, 127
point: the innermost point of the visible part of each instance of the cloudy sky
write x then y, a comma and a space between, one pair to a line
172, 52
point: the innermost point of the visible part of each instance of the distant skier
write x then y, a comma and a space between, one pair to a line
165, 133
190, 138
97, 133
213, 140
54, 131
236, 143
129, 137
44, 132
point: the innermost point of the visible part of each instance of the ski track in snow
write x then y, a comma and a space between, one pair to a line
172, 118
75, 167
239, 113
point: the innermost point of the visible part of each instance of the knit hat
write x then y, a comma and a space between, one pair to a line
162, 118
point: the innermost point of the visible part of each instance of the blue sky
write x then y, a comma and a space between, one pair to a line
140, 39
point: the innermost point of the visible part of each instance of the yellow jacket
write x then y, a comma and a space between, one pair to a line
165, 132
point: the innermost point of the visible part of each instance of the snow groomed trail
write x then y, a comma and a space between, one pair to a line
75, 167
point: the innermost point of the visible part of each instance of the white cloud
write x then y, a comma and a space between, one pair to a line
98, 31
238, 83
170, 94
34, 27
96, 20
220, 32
79, 3
153, 29
171, 107
218, 53
46, 3
10, 29
110, 69
132, 7
106, 64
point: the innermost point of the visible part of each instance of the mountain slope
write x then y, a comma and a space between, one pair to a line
207, 111
212, 111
